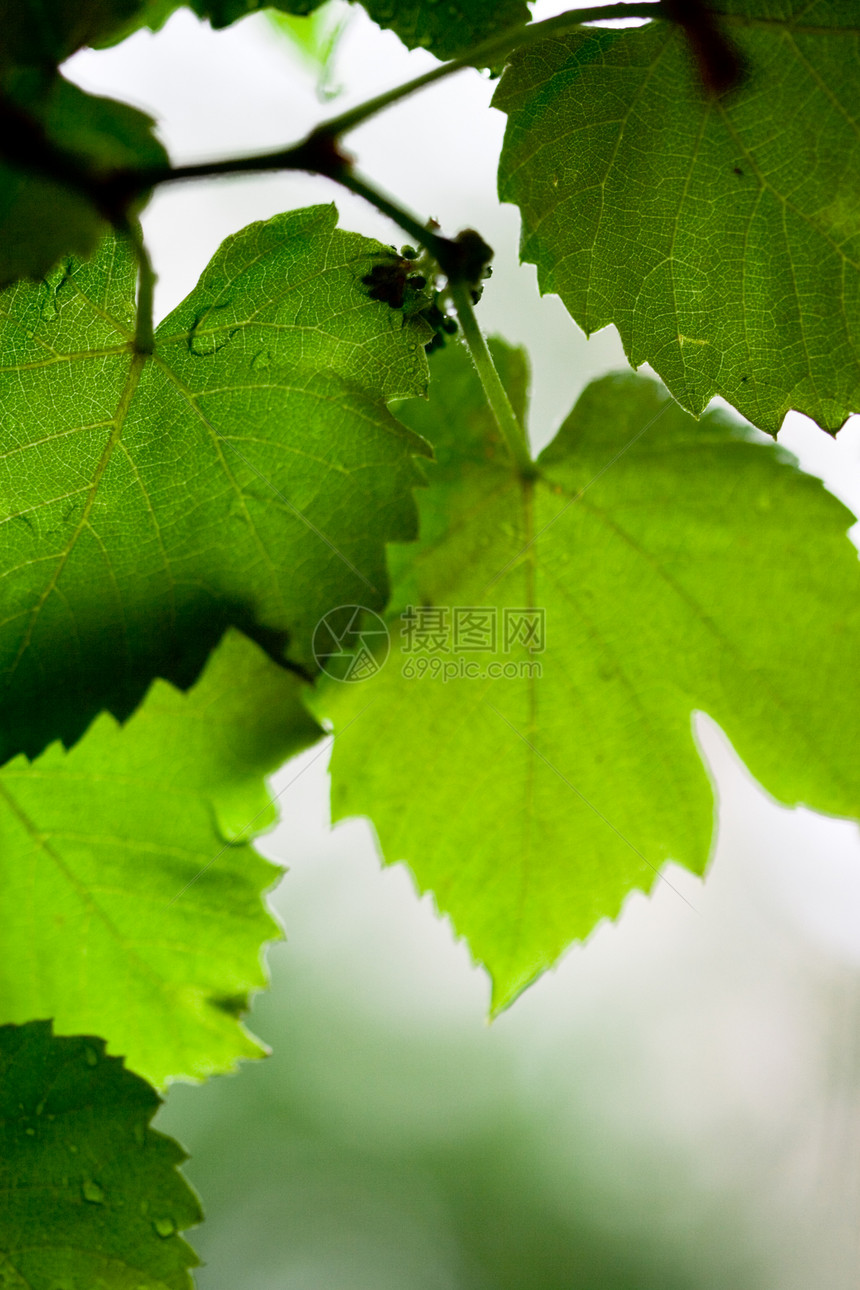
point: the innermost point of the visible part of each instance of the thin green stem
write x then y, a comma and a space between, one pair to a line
486, 52
388, 206
300, 158
144, 334
318, 152
506, 419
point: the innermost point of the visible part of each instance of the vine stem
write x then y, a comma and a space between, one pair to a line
500, 405
487, 50
318, 153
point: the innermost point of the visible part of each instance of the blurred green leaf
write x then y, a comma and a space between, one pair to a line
720, 235
44, 33
447, 29
41, 218
248, 472
90, 1195
219, 13
315, 37
131, 898
681, 566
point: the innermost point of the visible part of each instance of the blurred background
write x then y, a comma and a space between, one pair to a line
678, 1103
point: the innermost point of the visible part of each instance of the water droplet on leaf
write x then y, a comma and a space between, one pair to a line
207, 335
92, 1192
164, 1227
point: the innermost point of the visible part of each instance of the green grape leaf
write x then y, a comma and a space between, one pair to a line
720, 235
41, 219
448, 28
662, 566
131, 898
247, 473
90, 1195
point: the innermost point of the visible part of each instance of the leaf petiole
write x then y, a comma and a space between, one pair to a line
500, 405
144, 334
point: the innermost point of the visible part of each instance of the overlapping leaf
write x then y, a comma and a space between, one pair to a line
89, 1193
679, 566
248, 473
720, 235
130, 899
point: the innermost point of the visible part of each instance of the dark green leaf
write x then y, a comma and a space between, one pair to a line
447, 28
43, 33
90, 1195
248, 473
720, 235
681, 566
131, 898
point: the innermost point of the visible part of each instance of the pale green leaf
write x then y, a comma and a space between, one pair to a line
248, 473
681, 566
90, 1195
720, 235
130, 899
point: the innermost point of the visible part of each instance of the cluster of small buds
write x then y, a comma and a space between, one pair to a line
408, 281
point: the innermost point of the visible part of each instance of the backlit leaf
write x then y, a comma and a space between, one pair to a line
248, 473
130, 898
672, 566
